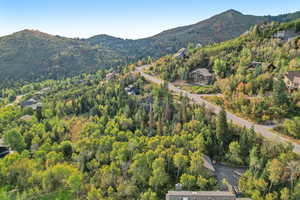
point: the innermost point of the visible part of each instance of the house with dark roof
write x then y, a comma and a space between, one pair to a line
254, 64
4, 149
31, 103
201, 76
131, 90
292, 80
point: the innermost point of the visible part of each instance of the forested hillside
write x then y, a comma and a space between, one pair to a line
28, 55
249, 74
92, 139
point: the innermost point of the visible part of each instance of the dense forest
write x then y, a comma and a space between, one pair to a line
93, 140
248, 74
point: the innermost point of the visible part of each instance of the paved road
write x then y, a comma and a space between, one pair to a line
262, 129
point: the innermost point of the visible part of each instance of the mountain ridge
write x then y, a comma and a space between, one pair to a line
32, 55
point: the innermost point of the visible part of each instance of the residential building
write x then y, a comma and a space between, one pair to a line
198, 46
131, 90
31, 103
254, 64
201, 76
207, 163
181, 53
26, 118
200, 195
292, 80
4, 149
110, 76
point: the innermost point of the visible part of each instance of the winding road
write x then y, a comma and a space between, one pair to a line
264, 130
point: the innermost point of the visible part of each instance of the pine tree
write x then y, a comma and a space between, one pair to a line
222, 129
280, 96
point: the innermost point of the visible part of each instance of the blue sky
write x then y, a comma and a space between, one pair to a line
123, 18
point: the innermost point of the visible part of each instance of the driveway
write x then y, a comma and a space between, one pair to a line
264, 130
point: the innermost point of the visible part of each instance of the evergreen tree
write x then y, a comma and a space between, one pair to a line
222, 129
280, 96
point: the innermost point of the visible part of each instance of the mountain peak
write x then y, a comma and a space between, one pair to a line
231, 12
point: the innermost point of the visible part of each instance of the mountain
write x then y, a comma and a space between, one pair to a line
225, 26
32, 55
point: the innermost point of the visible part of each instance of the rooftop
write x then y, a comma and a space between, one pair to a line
201, 193
207, 163
203, 71
293, 76
26, 117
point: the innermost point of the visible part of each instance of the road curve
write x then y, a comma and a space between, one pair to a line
261, 129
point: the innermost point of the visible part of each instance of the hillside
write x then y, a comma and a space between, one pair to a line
250, 75
31, 56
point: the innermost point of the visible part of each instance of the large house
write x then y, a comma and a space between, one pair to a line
201, 76
292, 80
202, 195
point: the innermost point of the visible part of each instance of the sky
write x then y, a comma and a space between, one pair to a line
130, 19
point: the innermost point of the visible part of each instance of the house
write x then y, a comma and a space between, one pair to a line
201, 76
131, 90
286, 35
180, 54
110, 76
43, 91
26, 118
200, 195
254, 65
280, 34
292, 80
31, 103
4, 149
198, 46
207, 163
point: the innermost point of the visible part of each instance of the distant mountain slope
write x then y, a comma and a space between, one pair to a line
221, 27
32, 55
